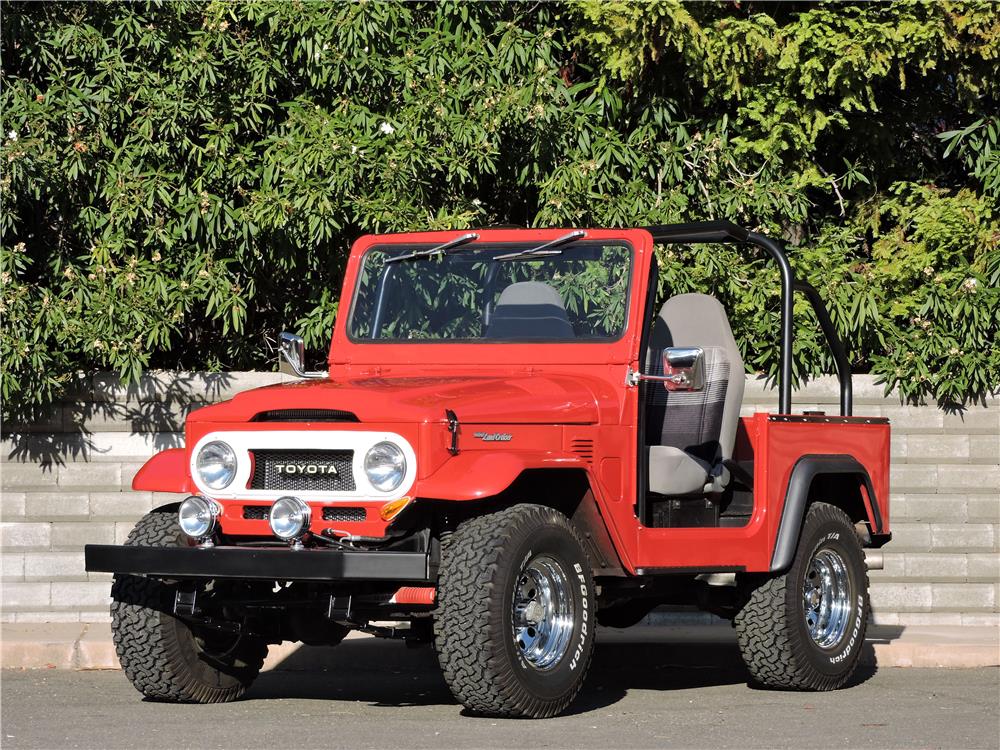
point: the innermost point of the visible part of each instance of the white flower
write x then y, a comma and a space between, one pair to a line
386, 128
354, 149
12, 135
476, 202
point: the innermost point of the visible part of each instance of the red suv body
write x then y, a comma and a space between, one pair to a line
505, 392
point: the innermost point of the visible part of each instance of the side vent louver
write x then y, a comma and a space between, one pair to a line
583, 447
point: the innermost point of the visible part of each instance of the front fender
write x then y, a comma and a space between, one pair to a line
473, 476
167, 471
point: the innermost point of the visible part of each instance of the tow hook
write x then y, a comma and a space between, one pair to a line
874, 559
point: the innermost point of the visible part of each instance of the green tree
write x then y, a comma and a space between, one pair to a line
181, 181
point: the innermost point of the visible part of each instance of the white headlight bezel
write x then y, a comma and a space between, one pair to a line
245, 442
232, 460
207, 505
399, 472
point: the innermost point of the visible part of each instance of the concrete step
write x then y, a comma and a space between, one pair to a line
945, 567
944, 537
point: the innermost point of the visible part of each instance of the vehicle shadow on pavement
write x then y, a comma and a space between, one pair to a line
390, 674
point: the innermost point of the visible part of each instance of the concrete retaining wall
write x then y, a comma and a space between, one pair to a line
65, 483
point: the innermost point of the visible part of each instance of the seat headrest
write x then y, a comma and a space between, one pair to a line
530, 310
695, 320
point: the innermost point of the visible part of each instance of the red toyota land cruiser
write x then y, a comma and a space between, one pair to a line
516, 440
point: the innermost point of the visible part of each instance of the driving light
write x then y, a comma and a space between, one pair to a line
216, 465
385, 466
289, 518
198, 517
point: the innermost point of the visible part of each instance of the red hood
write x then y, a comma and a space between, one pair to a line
535, 399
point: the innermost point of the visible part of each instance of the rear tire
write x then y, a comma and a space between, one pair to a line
161, 655
804, 629
514, 626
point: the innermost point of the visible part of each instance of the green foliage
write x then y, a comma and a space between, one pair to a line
181, 181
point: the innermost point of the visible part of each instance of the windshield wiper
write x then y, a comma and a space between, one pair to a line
441, 249
547, 249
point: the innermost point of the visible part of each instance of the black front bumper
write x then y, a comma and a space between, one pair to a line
262, 563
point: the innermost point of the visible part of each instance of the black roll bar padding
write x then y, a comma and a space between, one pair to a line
698, 231
835, 344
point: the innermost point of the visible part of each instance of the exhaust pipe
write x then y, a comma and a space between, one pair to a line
874, 559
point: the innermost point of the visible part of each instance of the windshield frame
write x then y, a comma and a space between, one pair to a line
499, 247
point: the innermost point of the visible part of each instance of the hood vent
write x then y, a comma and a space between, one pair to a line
305, 415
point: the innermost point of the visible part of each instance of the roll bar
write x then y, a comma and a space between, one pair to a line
724, 231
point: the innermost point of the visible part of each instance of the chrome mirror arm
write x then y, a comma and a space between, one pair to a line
291, 348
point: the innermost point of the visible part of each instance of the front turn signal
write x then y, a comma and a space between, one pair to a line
393, 508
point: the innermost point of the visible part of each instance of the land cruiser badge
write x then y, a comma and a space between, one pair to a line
494, 437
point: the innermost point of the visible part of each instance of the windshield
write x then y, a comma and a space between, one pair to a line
493, 292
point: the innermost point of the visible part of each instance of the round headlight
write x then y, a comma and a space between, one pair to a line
289, 517
385, 466
216, 465
198, 516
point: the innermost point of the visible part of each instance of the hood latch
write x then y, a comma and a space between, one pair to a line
453, 429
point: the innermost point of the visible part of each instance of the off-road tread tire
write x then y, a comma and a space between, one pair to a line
475, 669
770, 648
145, 638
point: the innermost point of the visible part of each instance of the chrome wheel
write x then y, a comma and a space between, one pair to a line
826, 598
543, 612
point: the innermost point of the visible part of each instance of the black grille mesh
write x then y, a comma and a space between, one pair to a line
261, 512
344, 514
266, 475
305, 415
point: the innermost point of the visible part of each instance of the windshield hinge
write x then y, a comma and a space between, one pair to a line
453, 429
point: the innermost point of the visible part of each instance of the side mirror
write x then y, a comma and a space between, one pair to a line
293, 350
684, 368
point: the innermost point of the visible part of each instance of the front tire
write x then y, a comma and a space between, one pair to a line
804, 629
514, 627
162, 656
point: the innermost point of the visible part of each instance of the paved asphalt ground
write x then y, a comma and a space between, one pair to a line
372, 694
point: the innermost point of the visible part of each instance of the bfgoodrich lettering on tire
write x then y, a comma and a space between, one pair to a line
514, 627
804, 630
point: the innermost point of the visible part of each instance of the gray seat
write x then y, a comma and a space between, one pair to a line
529, 310
692, 433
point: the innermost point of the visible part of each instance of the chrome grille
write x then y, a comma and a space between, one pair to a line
315, 471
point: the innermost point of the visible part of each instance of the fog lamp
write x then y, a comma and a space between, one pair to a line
198, 517
289, 518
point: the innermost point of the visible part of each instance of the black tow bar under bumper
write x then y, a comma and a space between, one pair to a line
261, 563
